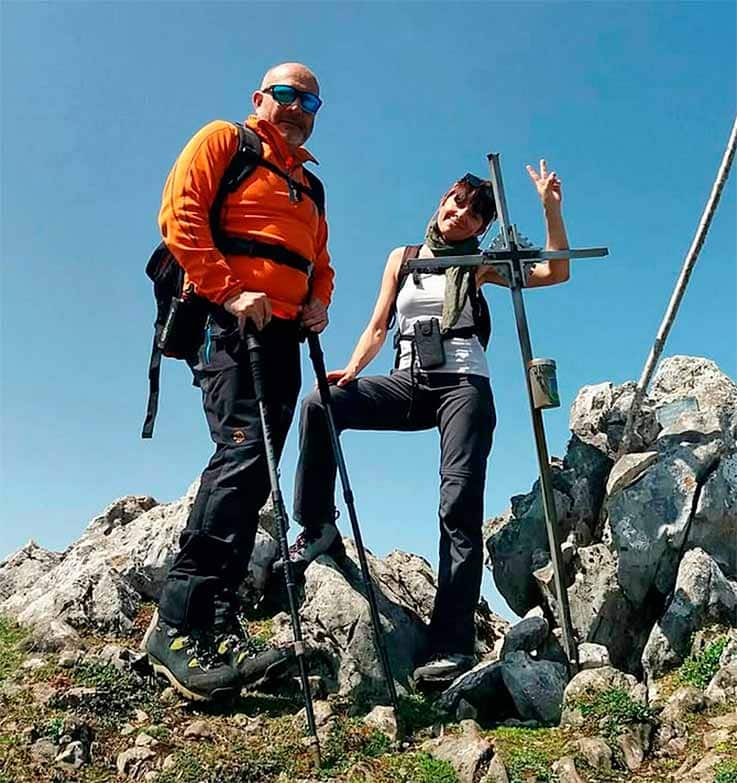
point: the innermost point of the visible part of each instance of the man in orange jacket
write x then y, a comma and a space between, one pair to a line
196, 640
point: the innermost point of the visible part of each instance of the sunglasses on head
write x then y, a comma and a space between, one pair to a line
286, 94
476, 183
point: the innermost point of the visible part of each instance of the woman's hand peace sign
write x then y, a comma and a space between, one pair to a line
548, 185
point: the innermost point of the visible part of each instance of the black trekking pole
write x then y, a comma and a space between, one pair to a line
318, 362
254, 355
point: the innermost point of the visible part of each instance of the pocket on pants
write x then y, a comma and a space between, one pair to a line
220, 350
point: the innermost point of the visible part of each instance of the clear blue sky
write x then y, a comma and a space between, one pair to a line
630, 102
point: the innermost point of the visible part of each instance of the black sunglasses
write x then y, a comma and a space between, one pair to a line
286, 94
478, 183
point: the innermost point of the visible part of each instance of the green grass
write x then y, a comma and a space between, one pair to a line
700, 668
119, 693
529, 752
414, 768
11, 635
350, 741
726, 772
416, 712
611, 711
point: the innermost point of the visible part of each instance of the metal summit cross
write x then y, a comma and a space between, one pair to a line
512, 256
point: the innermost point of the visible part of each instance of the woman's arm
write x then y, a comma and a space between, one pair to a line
374, 335
548, 187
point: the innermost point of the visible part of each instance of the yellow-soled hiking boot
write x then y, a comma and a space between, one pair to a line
190, 662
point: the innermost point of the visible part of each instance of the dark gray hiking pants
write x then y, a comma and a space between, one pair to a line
462, 409
217, 542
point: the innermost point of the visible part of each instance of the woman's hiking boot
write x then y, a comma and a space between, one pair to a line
255, 661
311, 543
190, 662
442, 670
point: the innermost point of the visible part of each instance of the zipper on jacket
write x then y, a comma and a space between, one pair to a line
294, 195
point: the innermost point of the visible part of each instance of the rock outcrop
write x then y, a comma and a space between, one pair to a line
630, 521
100, 581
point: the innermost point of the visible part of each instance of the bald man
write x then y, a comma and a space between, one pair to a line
272, 273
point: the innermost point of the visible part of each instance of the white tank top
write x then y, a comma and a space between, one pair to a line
422, 301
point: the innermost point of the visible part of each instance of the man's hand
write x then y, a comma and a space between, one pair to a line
253, 306
340, 377
314, 315
548, 186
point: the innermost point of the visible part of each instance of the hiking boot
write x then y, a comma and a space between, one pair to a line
443, 669
311, 543
190, 662
254, 660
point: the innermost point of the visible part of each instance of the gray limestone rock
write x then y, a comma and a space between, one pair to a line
527, 635
714, 523
73, 755
131, 762
601, 613
592, 656
384, 720
698, 768
682, 702
628, 469
483, 688
599, 413
21, 570
597, 754
465, 752
536, 687
685, 378
565, 771
44, 750
100, 581
723, 686
650, 519
702, 596
497, 772
517, 544
592, 681
337, 622
634, 744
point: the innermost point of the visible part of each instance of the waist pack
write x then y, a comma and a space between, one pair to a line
181, 314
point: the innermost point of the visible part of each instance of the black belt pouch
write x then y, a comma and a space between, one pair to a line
429, 344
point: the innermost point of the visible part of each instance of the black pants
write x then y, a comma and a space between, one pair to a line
462, 408
217, 543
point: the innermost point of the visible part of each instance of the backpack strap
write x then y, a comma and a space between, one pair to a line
316, 191
247, 157
410, 253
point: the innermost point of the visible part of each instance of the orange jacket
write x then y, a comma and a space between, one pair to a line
259, 209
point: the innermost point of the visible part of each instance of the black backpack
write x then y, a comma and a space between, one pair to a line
181, 315
479, 305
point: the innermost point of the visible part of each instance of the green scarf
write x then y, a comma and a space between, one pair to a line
457, 279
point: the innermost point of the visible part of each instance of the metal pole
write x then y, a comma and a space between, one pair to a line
254, 354
680, 290
546, 486
516, 283
318, 363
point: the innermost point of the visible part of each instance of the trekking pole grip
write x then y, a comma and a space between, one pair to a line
253, 344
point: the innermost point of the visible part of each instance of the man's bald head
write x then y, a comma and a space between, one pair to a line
296, 74
294, 124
